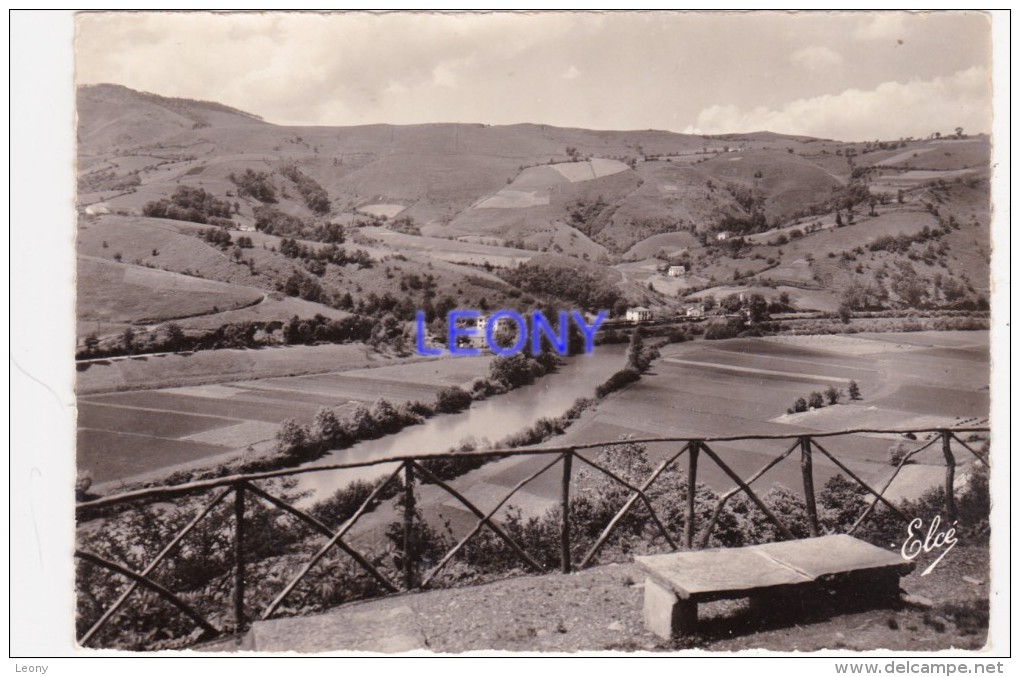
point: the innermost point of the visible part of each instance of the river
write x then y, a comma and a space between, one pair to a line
488, 420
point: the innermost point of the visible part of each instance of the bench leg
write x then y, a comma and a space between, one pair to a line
666, 615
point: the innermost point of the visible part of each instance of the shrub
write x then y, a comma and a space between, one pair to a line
756, 527
897, 453
618, 380
724, 330
854, 390
254, 184
815, 400
840, 503
452, 399
833, 394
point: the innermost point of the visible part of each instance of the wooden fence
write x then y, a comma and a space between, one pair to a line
410, 469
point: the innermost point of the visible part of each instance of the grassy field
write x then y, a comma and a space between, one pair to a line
164, 371
124, 293
128, 434
455, 251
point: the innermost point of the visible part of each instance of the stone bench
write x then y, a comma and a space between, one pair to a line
677, 582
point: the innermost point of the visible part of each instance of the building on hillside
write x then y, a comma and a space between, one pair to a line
696, 311
97, 209
502, 324
677, 271
639, 314
722, 235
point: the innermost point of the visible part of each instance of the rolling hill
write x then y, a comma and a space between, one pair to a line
432, 213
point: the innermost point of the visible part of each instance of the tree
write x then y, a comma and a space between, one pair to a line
731, 303
815, 400
175, 337
845, 312
854, 390
326, 428
362, 425
800, 405
91, 343
127, 340
386, 418
839, 220
959, 132
757, 309
833, 394
452, 399
291, 437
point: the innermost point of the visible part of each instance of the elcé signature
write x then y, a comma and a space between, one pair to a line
934, 539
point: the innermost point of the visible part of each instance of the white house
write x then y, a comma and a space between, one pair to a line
639, 314
478, 339
677, 271
696, 311
724, 235
97, 209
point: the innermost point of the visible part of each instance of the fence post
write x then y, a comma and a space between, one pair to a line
408, 526
692, 487
950, 476
238, 557
565, 498
807, 472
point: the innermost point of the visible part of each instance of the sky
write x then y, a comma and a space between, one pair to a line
849, 76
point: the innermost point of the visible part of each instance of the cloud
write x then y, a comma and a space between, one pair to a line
886, 26
571, 73
816, 58
891, 110
445, 75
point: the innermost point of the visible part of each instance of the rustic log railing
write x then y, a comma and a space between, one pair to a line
411, 468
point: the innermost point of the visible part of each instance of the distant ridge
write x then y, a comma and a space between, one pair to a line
176, 104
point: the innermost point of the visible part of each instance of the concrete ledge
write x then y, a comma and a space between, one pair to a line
677, 582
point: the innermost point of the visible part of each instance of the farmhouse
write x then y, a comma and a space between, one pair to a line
723, 235
696, 311
639, 314
502, 324
677, 271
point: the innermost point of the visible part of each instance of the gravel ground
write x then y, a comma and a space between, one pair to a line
600, 610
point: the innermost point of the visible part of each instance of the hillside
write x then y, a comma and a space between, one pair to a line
437, 214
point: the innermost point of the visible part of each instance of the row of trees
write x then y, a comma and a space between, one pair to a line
254, 184
272, 221
172, 338
315, 196
832, 395
588, 291
191, 204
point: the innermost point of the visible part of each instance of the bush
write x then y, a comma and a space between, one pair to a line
254, 184
618, 380
897, 453
840, 503
189, 204
452, 399
724, 330
854, 390
815, 400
